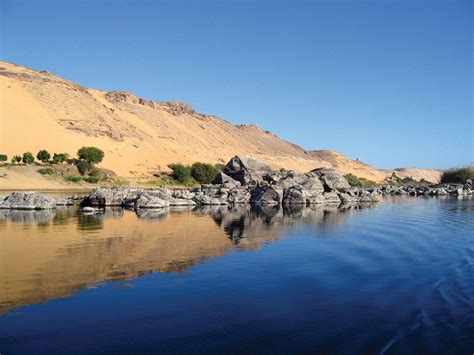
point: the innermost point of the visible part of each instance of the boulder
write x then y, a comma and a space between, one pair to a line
332, 179
265, 196
294, 196
309, 181
245, 169
150, 200
27, 201
111, 197
239, 195
226, 180
202, 199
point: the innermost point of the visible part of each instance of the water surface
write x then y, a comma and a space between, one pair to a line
396, 277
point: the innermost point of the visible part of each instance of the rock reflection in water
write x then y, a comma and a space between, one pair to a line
27, 217
50, 254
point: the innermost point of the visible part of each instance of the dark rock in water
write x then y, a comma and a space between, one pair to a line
265, 196
239, 195
294, 196
27, 201
111, 197
203, 199
332, 179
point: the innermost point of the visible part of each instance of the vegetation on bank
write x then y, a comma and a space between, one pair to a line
185, 175
458, 175
394, 179
355, 181
85, 162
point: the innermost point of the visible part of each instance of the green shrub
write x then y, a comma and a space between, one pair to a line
3, 157
219, 168
91, 179
28, 158
180, 173
60, 158
94, 172
46, 171
92, 155
83, 166
73, 178
458, 175
203, 173
355, 181
408, 180
16, 159
43, 155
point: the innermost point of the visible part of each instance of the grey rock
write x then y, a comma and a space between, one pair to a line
331, 197
332, 179
226, 180
202, 199
149, 200
265, 196
27, 201
111, 197
239, 195
246, 169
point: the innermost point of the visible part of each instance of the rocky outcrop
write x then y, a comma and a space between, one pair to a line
27, 201
428, 190
244, 180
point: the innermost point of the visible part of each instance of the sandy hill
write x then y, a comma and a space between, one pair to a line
140, 137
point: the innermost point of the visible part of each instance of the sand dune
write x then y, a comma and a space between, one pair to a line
140, 137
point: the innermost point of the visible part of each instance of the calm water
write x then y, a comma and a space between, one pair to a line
395, 278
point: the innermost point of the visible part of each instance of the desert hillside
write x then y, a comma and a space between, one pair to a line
140, 137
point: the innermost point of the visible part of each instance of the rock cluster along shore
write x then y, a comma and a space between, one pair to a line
244, 180
429, 190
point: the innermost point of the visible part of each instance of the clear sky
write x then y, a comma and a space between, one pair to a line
387, 81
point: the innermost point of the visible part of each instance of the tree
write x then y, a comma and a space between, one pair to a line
92, 155
28, 158
3, 157
83, 166
180, 173
204, 173
60, 158
16, 159
43, 155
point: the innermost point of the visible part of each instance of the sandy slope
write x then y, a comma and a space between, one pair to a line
40, 110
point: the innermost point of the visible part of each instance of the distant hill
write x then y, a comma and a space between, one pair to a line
140, 137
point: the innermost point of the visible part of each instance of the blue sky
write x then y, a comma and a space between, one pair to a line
387, 81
